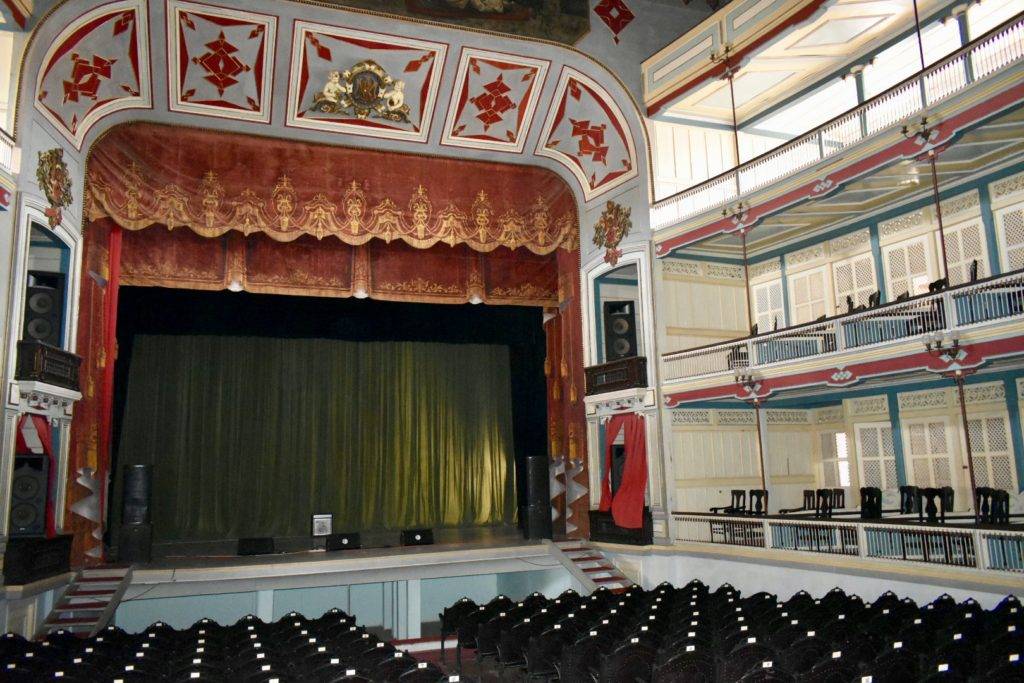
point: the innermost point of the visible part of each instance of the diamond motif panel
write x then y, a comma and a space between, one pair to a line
99, 64
495, 100
221, 61
615, 15
585, 131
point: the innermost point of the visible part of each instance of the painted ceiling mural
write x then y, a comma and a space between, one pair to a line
494, 100
372, 84
98, 65
340, 79
221, 61
562, 21
585, 131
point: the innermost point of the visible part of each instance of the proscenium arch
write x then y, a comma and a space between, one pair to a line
560, 56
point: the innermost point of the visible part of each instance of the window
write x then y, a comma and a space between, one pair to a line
855, 278
835, 460
1010, 226
767, 302
965, 243
807, 295
876, 455
909, 266
926, 443
992, 451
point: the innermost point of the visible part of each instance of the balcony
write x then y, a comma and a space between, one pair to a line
987, 56
919, 318
896, 541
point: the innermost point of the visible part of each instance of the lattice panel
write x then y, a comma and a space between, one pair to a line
922, 471
964, 244
854, 277
873, 474
1013, 236
991, 451
808, 296
941, 471
876, 452
908, 262
768, 305
1002, 472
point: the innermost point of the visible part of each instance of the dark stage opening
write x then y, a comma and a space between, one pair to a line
190, 350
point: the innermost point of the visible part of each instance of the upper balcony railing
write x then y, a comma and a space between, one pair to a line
961, 307
996, 50
7, 153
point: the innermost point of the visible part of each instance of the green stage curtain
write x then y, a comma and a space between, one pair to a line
250, 436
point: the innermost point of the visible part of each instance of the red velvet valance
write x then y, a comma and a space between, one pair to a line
144, 174
306, 267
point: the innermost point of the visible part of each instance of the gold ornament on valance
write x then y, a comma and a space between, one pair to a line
142, 175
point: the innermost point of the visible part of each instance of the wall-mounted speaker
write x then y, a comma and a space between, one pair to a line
619, 330
28, 495
256, 546
417, 537
343, 542
44, 308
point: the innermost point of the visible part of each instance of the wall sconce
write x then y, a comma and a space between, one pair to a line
922, 131
942, 343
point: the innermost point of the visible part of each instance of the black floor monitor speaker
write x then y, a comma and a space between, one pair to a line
538, 496
343, 542
135, 543
137, 486
256, 546
619, 330
44, 308
28, 495
417, 537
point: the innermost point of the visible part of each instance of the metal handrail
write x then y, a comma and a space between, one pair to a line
952, 308
729, 185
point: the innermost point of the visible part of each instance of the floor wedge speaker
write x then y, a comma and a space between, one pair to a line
135, 543
417, 537
343, 542
256, 546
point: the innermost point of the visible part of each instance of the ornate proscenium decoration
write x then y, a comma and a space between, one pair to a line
365, 90
55, 182
613, 225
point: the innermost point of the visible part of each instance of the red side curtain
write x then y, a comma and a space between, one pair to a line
627, 506
42, 427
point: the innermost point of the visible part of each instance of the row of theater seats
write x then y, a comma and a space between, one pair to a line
693, 634
330, 648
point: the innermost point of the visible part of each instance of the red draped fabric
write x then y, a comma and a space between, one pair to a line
627, 505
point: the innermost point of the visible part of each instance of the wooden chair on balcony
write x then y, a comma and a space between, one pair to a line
993, 505
870, 502
908, 500
737, 506
807, 506
823, 503
758, 502
838, 498
934, 503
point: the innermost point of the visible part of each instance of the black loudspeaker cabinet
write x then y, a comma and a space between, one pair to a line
44, 308
135, 543
417, 537
343, 542
256, 546
33, 559
137, 483
604, 529
28, 495
619, 330
538, 496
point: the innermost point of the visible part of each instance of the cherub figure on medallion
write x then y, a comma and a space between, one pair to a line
365, 91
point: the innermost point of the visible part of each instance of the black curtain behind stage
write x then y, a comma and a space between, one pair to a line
258, 410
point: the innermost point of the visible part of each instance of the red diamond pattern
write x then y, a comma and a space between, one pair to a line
616, 16
493, 102
220, 64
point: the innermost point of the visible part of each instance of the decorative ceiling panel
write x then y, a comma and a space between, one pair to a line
99, 64
220, 61
351, 81
494, 100
585, 131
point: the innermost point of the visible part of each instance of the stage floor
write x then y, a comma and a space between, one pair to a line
179, 554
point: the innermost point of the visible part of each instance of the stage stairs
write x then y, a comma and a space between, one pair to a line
89, 602
590, 566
